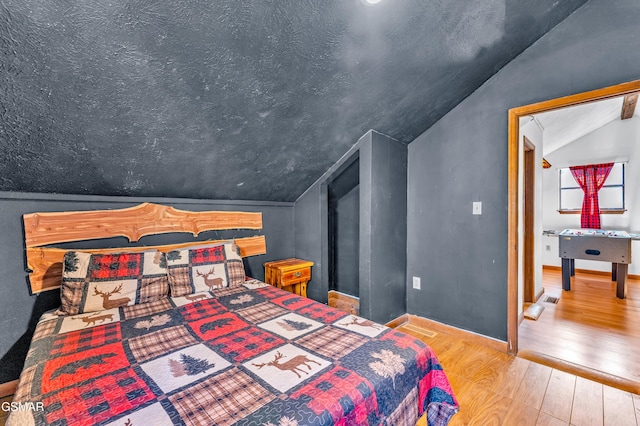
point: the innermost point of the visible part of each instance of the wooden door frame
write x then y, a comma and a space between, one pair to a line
512, 186
529, 172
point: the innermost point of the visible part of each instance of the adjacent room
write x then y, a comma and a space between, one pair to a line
594, 135
337, 212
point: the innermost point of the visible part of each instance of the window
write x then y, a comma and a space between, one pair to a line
610, 196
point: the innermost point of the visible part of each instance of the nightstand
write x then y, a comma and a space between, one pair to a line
289, 274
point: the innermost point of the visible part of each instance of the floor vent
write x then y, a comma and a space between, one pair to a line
550, 299
423, 331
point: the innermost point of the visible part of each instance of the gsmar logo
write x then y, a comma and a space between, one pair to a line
22, 406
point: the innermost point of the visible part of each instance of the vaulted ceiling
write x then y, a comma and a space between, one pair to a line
230, 99
564, 126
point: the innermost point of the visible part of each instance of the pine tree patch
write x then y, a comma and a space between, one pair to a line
389, 365
291, 325
189, 366
174, 255
71, 261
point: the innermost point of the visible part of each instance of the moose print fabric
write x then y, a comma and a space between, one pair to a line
245, 355
204, 269
97, 282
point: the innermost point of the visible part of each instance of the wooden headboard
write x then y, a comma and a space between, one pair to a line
42, 229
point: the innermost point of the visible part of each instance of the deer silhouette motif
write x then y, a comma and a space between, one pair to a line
363, 323
91, 319
115, 303
195, 297
292, 365
210, 282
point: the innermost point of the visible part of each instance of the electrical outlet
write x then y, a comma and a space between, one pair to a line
547, 248
477, 207
416, 283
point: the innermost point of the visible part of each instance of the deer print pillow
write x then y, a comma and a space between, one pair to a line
200, 269
95, 282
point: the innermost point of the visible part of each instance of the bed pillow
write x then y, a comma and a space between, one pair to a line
194, 270
95, 282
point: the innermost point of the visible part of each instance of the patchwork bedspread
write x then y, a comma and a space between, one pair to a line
249, 355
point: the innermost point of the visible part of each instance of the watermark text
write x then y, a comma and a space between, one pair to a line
22, 406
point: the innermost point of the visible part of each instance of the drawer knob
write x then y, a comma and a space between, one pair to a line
297, 274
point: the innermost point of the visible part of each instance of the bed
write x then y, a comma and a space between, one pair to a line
180, 335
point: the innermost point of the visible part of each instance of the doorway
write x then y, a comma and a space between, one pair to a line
529, 173
513, 234
343, 194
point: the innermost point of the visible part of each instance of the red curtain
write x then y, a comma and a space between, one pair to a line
591, 178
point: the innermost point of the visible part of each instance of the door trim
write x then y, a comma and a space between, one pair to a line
528, 205
513, 171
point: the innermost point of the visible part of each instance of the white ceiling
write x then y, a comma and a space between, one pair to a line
565, 125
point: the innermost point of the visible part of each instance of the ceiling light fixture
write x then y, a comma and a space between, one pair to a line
371, 1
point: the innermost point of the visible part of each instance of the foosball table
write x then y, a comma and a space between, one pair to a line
596, 244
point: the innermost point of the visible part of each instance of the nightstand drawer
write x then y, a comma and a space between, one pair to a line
296, 276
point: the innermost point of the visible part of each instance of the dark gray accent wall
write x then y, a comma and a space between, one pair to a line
311, 227
382, 245
344, 230
308, 241
345, 248
461, 258
19, 310
383, 227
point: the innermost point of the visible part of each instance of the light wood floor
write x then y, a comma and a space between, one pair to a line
589, 327
344, 302
494, 388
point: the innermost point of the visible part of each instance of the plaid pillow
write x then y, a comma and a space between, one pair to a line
95, 282
194, 270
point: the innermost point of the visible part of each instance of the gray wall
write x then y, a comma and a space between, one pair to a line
346, 228
462, 259
382, 245
20, 310
383, 227
311, 227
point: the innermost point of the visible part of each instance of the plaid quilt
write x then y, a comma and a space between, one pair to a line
248, 355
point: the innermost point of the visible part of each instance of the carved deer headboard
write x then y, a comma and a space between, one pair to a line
43, 229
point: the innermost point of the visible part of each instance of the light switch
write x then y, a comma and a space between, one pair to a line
477, 207
416, 283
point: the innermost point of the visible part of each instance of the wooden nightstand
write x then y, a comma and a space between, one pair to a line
289, 274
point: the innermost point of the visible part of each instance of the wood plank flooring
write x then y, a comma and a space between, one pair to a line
494, 388
589, 327
344, 302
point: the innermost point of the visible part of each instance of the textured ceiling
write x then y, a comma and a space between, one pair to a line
232, 99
